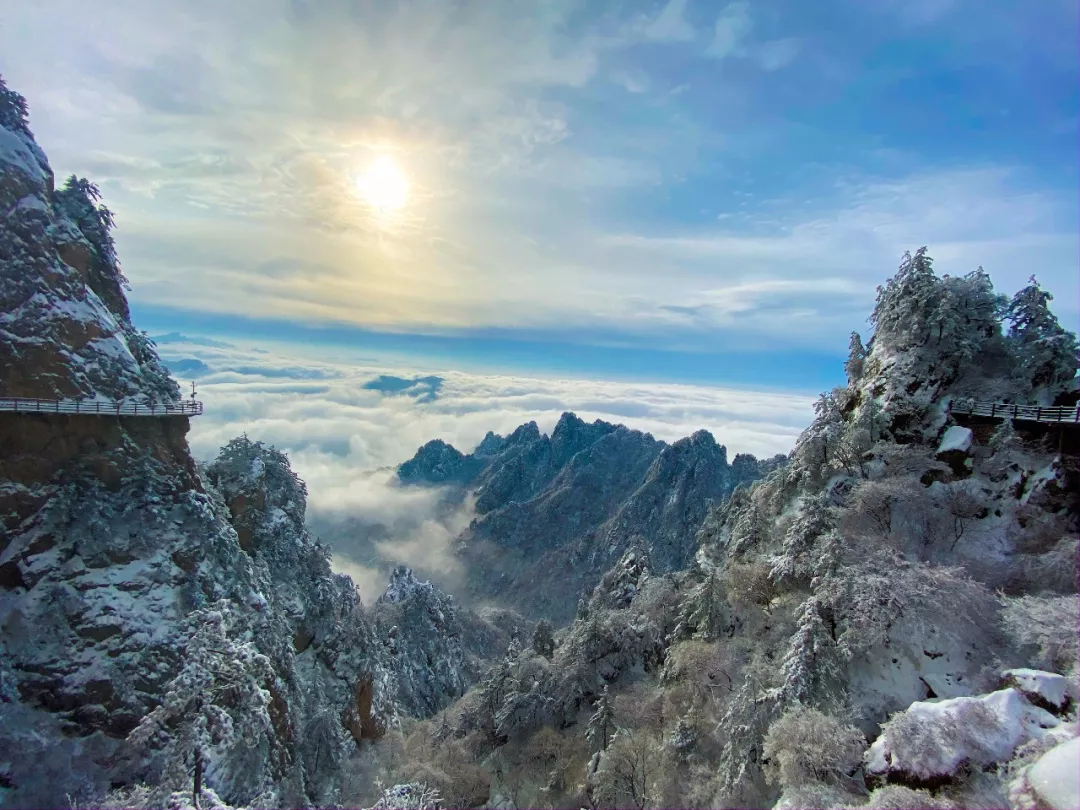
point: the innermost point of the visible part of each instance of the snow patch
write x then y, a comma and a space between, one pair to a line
1056, 776
934, 739
956, 438
1049, 686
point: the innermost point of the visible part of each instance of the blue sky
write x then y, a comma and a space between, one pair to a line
690, 190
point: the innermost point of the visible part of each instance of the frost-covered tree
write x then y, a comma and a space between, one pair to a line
217, 704
14, 114
629, 770
1045, 352
543, 639
906, 303
1004, 438
797, 559
703, 611
601, 723
805, 745
966, 314
812, 669
856, 358
80, 201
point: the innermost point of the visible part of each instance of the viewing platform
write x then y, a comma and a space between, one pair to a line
1018, 413
99, 408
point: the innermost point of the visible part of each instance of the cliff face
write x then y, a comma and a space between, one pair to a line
111, 537
556, 512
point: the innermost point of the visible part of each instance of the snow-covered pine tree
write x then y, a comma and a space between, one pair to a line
80, 201
543, 639
1045, 352
856, 358
601, 723
906, 302
813, 669
14, 114
217, 702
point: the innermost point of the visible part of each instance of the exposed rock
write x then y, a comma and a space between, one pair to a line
556, 512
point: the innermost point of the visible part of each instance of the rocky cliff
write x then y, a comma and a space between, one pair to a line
128, 576
555, 512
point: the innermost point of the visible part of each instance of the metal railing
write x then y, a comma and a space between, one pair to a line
1020, 413
99, 408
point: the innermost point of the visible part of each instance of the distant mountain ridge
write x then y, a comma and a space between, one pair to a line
555, 512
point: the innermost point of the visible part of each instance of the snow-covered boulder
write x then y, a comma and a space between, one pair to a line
931, 742
1055, 777
956, 439
1046, 689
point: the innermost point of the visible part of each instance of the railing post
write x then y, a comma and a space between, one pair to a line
1038, 414
993, 410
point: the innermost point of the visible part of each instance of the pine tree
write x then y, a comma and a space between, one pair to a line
856, 358
905, 303
80, 201
812, 668
14, 114
216, 701
602, 723
543, 639
1045, 352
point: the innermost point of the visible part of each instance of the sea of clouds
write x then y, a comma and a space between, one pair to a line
347, 422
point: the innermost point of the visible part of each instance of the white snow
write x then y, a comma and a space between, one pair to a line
1049, 686
15, 151
1056, 776
956, 438
932, 739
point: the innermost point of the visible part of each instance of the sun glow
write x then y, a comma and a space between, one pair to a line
383, 186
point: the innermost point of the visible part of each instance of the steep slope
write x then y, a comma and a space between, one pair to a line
120, 562
897, 574
555, 512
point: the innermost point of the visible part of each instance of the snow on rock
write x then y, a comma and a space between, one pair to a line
935, 740
1055, 777
956, 439
1042, 688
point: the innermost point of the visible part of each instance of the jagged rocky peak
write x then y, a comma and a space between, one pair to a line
572, 435
490, 445
438, 463
404, 586
266, 499
65, 329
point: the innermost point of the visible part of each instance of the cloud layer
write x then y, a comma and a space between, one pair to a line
343, 437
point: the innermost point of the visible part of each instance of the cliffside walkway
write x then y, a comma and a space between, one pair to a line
98, 408
1019, 413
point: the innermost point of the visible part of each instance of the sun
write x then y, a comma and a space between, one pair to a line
383, 185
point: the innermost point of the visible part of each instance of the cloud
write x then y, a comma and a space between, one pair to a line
424, 389
733, 26
670, 24
344, 439
779, 53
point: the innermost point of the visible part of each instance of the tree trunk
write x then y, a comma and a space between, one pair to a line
197, 788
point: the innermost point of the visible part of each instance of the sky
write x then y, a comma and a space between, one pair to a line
683, 191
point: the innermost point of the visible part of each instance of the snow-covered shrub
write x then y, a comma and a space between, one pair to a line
410, 796
881, 591
805, 745
749, 583
630, 770
901, 797
1047, 626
